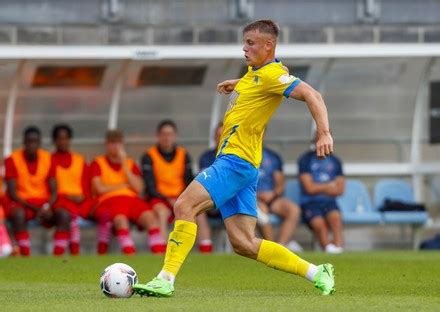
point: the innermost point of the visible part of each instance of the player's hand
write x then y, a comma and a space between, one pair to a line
77, 199
44, 213
227, 86
324, 144
122, 154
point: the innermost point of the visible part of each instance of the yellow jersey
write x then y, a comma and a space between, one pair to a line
255, 98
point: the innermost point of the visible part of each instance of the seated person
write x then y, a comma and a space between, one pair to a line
167, 172
321, 182
117, 183
270, 199
5, 241
31, 192
73, 194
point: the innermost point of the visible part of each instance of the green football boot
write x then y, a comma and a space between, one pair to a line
158, 287
325, 279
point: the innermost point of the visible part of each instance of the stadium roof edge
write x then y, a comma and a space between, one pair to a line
217, 51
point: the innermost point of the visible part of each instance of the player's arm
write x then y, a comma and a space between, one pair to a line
52, 190
149, 178
316, 105
227, 86
134, 181
269, 197
313, 188
278, 178
100, 188
337, 187
12, 192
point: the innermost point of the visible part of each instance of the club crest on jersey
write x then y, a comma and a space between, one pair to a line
256, 80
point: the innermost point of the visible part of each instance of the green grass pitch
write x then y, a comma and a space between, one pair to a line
376, 281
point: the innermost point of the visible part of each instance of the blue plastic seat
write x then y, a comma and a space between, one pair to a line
355, 204
400, 190
293, 190
83, 223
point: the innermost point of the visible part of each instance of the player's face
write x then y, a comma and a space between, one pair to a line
62, 141
32, 143
112, 148
257, 47
167, 138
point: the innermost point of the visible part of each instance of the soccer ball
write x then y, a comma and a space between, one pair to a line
117, 280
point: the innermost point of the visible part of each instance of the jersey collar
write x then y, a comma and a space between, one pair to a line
275, 60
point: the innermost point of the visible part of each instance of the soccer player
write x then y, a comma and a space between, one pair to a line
230, 183
31, 191
270, 190
166, 169
73, 187
117, 182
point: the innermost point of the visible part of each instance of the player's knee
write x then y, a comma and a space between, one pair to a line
62, 215
18, 215
182, 210
120, 222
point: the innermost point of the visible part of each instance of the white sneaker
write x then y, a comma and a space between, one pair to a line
333, 249
294, 246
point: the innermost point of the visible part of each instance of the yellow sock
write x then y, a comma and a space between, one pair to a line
280, 258
180, 243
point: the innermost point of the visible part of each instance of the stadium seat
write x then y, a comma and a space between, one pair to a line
355, 204
293, 191
400, 190
83, 223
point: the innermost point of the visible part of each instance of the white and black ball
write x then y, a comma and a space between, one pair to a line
117, 281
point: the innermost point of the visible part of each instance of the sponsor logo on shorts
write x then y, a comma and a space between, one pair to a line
206, 175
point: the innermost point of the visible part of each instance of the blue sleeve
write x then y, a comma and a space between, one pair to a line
290, 88
338, 171
304, 164
278, 162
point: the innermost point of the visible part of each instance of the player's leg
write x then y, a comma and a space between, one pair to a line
61, 218
204, 233
263, 221
313, 216
194, 200
145, 218
334, 222
17, 217
290, 214
75, 236
319, 228
103, 233
216, 184
163, 214
241, 233
122, 229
